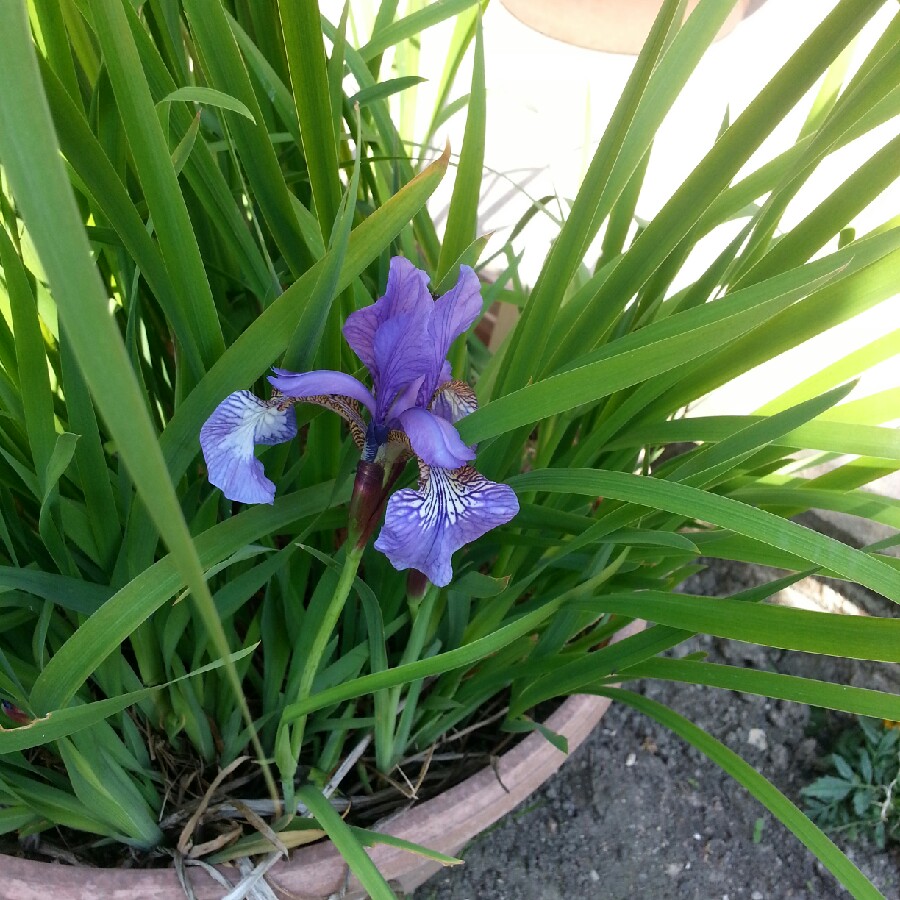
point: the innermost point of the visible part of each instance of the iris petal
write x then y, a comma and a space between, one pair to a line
453, 313
313, 384
434, 440
423, 528
227, 439
406, 295
401, 357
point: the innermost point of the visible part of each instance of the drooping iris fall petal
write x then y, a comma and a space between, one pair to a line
227, 439
423, 528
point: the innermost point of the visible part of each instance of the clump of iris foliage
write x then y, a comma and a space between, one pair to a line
195, 192
858, 797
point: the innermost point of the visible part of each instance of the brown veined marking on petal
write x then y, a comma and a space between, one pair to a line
396, 436
346, 407
459, 398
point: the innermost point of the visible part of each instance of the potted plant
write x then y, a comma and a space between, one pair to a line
211, 658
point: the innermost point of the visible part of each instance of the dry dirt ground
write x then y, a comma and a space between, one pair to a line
637, 813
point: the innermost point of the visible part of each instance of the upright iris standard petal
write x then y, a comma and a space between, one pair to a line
452, 314
422, 529
434, 440
228, 437
406, 295
401, 356
322, 382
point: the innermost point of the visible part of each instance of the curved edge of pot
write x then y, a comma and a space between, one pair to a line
612, 26
445, 823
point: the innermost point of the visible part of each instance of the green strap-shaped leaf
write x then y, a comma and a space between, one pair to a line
63, 722
462, 216
121, 615
858, 637
34, 375
347, 843
858, 701
833, 437
153, 162
412, 25
225, 71
723, 511
209, 97
32, 163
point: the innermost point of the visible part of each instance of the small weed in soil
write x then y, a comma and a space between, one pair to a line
859, 794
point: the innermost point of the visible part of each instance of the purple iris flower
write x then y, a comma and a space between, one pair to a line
403, 340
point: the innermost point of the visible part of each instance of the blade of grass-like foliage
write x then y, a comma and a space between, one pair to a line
834, 437
75, 594
385, 89
203, 173
305, 49
153, 163
258, 64
828, 306
225, 71
373, 838
390, 141
738, 517
31, 360
462, 216
879, 407
209, 97
304, 345
545, 679
843, 697
659, 348
858, 637
67, 262
463, 34
722, 162
828, 91
768, 176
52, 35
434, 665
86, 155
767, 794
53, 804
412, 25
853, 364
852, 196
107, 628
347, 842
30, 154
865, 504
710, 463
100, 784
725, 545
866, 88
530, 337
63, 722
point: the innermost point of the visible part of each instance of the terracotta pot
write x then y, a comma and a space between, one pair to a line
617, 26
445, 823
